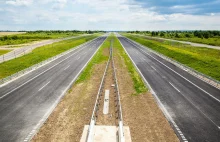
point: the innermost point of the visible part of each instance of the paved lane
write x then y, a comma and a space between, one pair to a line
27, 101
193, 105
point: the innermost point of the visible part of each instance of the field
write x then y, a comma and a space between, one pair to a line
4, 51
10, 33
204, 37
36, 36
204, 60
40, 54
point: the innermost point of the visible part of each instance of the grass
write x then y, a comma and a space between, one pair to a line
139, 85
10, 33
32, 36
4, 51
204, 60
98, 58
40, 54
210, 41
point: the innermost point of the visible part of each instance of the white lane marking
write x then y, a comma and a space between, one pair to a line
84, 45
174, 87
166, 113
45, 117
186, 97
200, 110
78, 58
67, 67
181, 76
40, 74
44, 86
106, 102
153, 68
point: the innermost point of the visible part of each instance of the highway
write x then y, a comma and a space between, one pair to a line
27, 102
191, 105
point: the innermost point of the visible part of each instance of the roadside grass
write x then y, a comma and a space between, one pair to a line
139, 85
4, 51
215, 41
204, 60
40, 54
210, 41
33, 36
98, 58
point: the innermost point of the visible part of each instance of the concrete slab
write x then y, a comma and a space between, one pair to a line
106, 133
106, 102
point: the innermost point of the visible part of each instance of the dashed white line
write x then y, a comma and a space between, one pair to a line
182, 76
44, 86
67, 67
158, 100
153, 68
40, 73
174, 87
78, 58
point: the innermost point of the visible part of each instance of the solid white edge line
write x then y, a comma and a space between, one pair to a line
178, 73
45, 117
174, 86
41, 73
165, 112
64, 53
44, 86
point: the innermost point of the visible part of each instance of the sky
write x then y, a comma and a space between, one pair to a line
110, 15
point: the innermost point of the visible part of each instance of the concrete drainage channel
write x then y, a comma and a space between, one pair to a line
106, 123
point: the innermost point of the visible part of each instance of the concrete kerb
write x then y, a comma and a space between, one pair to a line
161, 106
193, 72
21, 73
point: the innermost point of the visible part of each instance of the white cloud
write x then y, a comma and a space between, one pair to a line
102, 15
19, 2
59, 4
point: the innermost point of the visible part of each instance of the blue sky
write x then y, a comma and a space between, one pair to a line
110, 14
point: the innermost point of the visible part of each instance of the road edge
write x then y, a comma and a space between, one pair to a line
46, 116
161, 106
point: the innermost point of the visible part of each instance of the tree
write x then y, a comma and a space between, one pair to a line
162, 34
206, 35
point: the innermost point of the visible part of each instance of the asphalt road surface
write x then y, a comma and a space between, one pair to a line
26, 102
20, 51
193, 105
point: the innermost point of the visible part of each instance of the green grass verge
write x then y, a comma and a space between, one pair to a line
40, 54
4, 51
139, 85
98, 58
204, 60
215, 41
210, 41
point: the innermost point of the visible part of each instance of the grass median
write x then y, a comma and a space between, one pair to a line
139, 85
40, 54
204, 60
